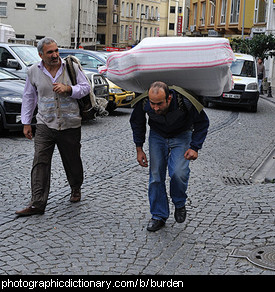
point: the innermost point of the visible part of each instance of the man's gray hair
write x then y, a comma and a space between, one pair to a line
44, 41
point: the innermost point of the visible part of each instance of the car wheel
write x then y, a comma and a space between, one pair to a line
254, 108
205, 103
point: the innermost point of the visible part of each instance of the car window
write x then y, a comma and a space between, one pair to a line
28, 55
4, 56
86, 61
243, 68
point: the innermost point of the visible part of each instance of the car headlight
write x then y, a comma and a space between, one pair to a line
115, 90
252, 86
16, 99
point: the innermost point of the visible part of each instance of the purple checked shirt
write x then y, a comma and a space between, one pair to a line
29, 100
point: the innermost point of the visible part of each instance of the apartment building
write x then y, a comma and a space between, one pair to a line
173, 17
227, 17
123, 23
70, 22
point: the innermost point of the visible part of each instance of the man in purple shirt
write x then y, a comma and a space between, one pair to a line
48, 87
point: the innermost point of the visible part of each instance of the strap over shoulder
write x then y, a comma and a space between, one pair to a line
181, 91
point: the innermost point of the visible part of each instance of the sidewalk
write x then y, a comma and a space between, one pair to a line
267, 169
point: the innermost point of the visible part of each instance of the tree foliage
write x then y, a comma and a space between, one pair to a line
261, 45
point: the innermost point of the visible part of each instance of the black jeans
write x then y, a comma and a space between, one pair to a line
68, 143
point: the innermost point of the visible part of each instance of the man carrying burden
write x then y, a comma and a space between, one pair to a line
178, 128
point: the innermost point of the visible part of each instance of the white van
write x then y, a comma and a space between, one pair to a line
16, 58
245, 92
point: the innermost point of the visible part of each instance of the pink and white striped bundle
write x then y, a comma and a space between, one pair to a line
201, 65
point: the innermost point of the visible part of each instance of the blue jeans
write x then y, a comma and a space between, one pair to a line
168, 153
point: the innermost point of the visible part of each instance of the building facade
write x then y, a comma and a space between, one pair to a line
173, 17
64, 20
227, 18
123, 23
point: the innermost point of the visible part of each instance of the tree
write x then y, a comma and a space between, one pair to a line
261, 45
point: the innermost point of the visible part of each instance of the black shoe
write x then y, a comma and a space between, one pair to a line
180, 214
155, 224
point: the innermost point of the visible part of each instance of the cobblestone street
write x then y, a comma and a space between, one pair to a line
106, 232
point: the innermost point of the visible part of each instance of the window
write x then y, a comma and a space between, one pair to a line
126, 32
127, 10
41, 6
146, 12
88, 61
114, 39
102, 2
136, 33
172, 9
101, 38
131, 9
260, 11
39, 37
223, 11
122, 8
5, 55
235, 10
195, 13
101, 18
20, 5
138, 11
203, 6
171, 26
157, 13
3, 9
145, 32
122, 32
115, 18
212, 12
243, 68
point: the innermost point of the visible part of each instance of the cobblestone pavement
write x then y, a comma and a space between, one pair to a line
106, 232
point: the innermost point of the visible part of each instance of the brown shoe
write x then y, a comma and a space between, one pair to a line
75, 196
29, 211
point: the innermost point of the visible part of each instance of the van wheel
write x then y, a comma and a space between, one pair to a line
254, 108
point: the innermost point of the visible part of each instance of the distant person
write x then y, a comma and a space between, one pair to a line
177, 132
261, 73
48, 87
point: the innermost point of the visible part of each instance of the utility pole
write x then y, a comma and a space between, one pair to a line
78, 25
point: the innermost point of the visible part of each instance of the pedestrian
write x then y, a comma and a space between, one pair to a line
177, 132
261, 73
48, 87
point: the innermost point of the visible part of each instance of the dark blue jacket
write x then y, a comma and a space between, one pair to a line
175, 121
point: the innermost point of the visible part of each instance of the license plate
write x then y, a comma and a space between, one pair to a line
231, 95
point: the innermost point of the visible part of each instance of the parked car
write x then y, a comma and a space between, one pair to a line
245, 92
16, 58
91, 61
11, 92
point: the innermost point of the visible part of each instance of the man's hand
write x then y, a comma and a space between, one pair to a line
62, 88
191, 154
27, 130
141, 157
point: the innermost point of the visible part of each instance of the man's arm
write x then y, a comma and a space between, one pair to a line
141, 157
138, 125
29, 102
82, 87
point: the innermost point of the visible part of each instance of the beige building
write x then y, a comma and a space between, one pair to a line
33, 20
173, 17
